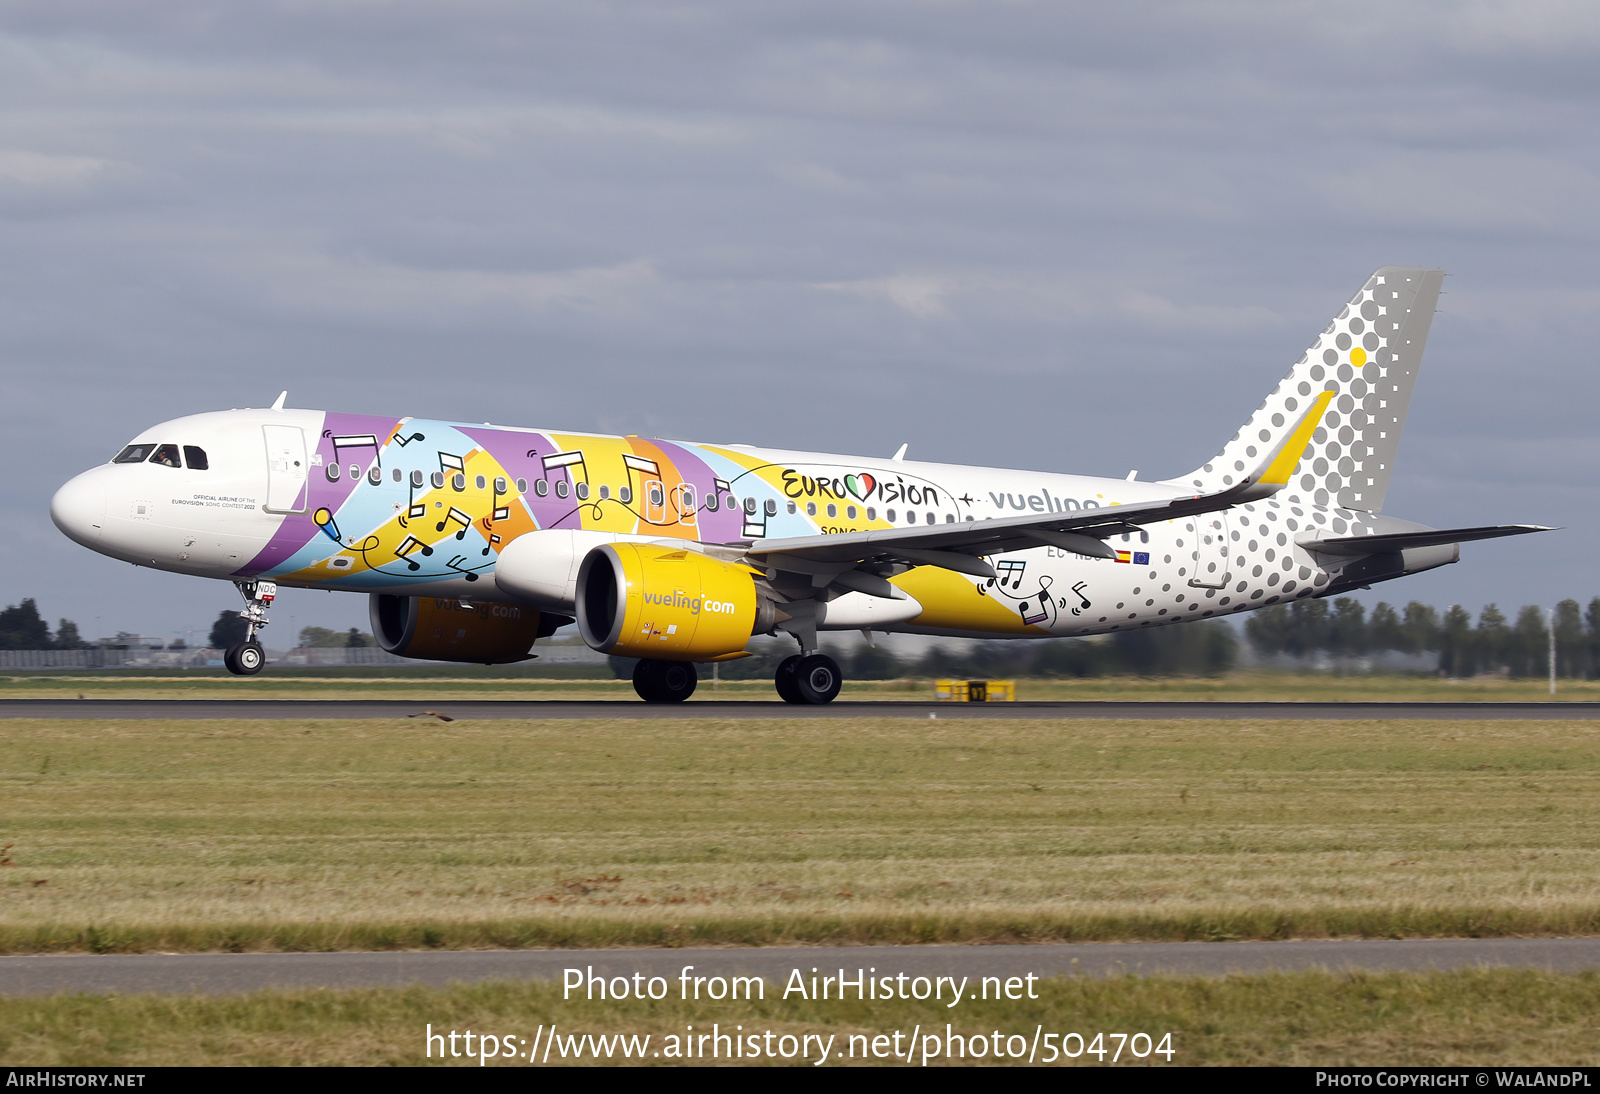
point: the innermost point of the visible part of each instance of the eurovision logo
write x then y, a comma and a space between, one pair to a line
858, 486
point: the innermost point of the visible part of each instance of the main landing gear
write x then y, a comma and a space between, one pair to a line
248, 658
664, 681
814, 678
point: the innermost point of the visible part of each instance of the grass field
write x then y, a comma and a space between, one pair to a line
414, 833
482, 682
1464, 1018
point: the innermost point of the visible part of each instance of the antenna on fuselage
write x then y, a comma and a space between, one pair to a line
278, 404
900, 455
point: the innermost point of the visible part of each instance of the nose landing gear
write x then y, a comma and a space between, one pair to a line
248, 658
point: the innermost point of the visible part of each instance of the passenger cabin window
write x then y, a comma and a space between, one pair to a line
195, 457
134, 453
167, 456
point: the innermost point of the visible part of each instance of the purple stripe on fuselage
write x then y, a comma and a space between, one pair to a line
521, 454
715, 527
298, 529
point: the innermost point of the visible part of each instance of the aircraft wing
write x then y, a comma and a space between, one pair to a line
1400, 541
1082, 531
956, 546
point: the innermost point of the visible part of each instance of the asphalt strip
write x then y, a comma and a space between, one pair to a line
534, 709
225, 973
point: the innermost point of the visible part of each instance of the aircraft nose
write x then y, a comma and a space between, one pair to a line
79, 507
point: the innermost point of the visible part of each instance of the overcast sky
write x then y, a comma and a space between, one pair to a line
1072, 237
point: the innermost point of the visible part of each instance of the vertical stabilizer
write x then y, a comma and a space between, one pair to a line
1368, 358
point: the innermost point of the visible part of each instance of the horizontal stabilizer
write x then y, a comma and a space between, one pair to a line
1401, 541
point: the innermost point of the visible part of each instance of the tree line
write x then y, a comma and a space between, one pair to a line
22, 628
1342, 629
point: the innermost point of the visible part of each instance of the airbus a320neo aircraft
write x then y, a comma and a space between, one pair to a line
475, 541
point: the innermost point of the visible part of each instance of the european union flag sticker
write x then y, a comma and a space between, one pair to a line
1141, 558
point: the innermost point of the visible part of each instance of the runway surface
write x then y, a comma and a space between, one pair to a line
102, 709
221, 974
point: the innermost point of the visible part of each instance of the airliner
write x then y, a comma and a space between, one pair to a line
473, 542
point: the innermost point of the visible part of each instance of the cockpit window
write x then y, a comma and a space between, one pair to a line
195, 457
167, 456
134, 453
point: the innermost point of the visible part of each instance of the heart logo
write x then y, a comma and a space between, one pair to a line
860, 485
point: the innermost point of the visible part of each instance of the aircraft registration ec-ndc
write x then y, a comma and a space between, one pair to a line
475, 541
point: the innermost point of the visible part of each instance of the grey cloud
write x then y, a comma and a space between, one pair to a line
1076, 237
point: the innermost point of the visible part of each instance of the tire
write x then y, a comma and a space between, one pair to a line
817, 678
665, 681
245, 659
678, 680
784, 680
646, 680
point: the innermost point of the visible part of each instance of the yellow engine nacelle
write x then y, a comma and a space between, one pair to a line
641, 600
437, 629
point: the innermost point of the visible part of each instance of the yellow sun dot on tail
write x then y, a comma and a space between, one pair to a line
1358, 357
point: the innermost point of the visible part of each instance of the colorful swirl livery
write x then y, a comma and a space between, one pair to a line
475, 541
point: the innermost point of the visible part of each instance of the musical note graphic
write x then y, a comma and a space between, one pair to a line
410, 545
1078, 589
455, 564
448, 463
403, 441
455, 516
562, 461
557, 460
1010, 568
361, 440
323, 519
